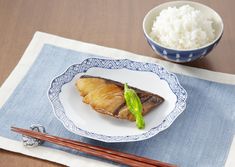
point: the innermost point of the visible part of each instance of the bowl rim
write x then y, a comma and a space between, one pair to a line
183, 50
54, 91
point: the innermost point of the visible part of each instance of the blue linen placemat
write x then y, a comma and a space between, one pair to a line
200, 136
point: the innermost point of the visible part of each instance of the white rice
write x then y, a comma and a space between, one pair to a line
182, 28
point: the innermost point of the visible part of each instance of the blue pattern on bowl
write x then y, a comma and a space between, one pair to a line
187, 55
72, 71
181, 55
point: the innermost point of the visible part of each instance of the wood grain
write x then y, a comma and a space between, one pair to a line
9, 159
112, 23
102, 152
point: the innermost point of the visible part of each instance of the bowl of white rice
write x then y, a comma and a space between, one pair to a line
182, 31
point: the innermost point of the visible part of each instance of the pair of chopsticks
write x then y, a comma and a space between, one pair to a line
120, 157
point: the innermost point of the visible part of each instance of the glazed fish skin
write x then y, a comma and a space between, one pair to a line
107, 97
87, 85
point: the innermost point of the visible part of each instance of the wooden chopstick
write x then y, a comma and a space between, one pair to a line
120, 157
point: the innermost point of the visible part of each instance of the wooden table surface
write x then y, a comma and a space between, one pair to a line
112, 23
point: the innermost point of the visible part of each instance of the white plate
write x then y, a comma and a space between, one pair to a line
81, 119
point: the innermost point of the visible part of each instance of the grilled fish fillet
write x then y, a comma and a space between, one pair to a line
107, 97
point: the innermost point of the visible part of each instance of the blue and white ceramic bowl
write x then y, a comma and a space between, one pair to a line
182, 55
81, 119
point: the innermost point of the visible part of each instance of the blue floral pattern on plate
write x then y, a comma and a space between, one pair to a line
72, 71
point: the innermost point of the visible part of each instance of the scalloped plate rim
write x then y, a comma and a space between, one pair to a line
69, 125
